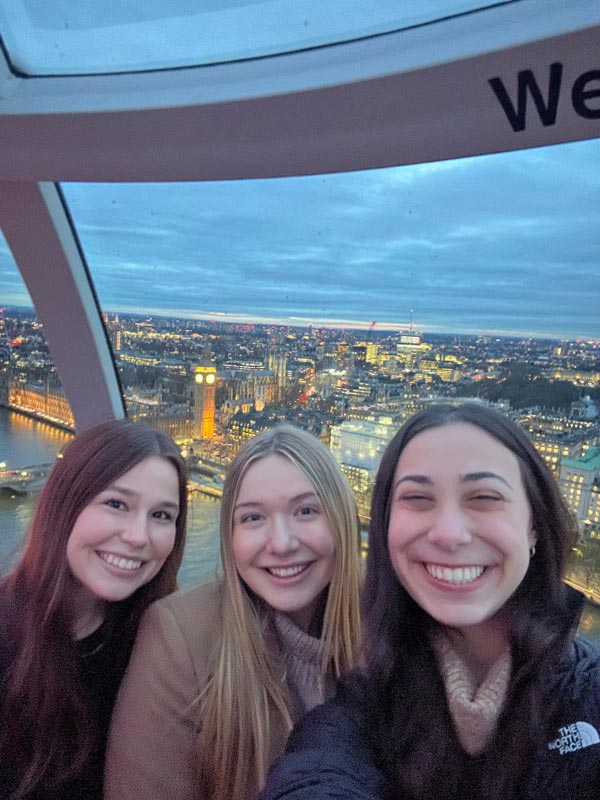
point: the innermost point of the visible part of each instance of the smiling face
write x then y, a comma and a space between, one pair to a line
460, 524
282, 545
122, 538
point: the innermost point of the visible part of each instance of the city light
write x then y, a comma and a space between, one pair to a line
213, 385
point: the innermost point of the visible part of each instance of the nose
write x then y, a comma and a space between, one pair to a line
282, 538
135, 531
449, 529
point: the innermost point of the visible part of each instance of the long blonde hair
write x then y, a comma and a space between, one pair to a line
246, 689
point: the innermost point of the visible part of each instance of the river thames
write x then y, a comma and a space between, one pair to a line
25, 442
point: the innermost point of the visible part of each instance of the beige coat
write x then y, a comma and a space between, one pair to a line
152, 752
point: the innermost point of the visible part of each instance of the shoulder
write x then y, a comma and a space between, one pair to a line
579, 670
568, 765
196, 612
329, 754
186, 605
184, 627
581, 663
152, 747
337, 724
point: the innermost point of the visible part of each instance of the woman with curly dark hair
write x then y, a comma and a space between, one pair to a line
474, 685
106, 540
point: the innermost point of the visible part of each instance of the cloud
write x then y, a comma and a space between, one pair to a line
509, 242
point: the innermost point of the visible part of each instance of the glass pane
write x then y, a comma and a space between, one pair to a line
59, 37
36, 422
35, 417
344, 303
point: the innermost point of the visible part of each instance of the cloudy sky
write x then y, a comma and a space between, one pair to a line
508, 243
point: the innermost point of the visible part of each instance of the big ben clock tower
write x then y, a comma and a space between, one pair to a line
204, 402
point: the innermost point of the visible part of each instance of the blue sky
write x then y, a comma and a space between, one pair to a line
508, 243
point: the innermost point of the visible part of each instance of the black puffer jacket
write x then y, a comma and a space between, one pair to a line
329, 755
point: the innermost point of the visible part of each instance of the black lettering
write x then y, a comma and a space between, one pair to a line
579, 94
526, 82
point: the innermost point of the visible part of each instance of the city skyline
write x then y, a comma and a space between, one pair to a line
505, 244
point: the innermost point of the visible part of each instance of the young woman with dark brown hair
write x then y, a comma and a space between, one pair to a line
474, 685
106, 540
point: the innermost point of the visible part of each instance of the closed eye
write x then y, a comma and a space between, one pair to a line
485, 499
416, 500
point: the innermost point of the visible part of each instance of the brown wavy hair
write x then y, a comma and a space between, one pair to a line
48, 732
409, 717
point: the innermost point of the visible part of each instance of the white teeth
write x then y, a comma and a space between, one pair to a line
122, 563
458, 575
287, 572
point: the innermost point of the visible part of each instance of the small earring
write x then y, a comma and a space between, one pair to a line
532, 551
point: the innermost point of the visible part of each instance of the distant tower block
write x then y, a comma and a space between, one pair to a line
204, 402
117, 340
277, 363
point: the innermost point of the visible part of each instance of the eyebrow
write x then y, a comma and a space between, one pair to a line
421, 479
295, 499
130, 493
479, 476
470, 477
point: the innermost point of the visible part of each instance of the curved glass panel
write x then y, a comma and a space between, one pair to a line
344, 303
34, 414
486, 245
34, 426
58, 37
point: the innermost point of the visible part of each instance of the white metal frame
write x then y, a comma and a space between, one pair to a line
408, 97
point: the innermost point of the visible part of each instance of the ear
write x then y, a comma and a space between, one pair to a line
532, 537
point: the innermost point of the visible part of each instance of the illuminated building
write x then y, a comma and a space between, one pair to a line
590, 526
176, 426
241, 430
360, 443
241, 387
557, 437
116, 340
577, 377
329, 381
330, 356
580, 483
41, 402
277, 363
410, 340
204, 402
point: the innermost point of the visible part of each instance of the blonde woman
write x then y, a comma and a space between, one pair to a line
220, 673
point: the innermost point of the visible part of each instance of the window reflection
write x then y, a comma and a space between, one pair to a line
345, 303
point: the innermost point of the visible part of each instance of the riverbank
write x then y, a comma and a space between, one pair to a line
38, 417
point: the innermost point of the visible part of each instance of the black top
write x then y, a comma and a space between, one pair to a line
331, 754
102, 663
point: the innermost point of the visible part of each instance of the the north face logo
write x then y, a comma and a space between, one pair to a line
575, 737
